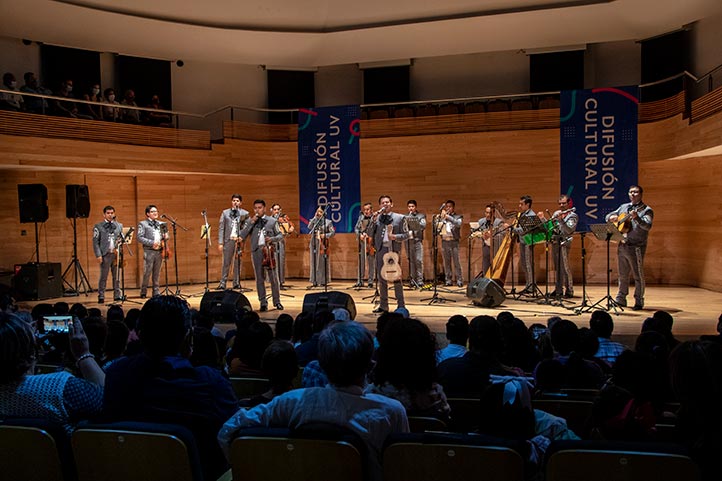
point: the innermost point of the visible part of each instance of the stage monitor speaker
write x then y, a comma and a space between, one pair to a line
329, 301
77, 201
37, 281
222, 305
485, 292
33, 202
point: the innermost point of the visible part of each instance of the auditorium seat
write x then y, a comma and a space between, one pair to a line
421, 424
405, 111
475, 107
427, 110
450, 109
521, 104
497, 105
249, 386
32, 450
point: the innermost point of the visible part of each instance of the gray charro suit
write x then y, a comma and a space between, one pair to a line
267, 226
365, 258
384, 245
415, 249
105, 239
149, 232
562, 244
486, 250
229, 219
630, 259
526, 252
450, 233
321, 271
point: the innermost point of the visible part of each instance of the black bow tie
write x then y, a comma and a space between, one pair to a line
109, 226
154, 223
385, 219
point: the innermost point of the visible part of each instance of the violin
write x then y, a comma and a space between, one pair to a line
269, 256
370, 249
164, 249
285, 225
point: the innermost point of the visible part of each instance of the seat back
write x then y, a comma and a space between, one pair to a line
577, 413
420, 424
245, 387
280, 454
29, 453
465, 414
136, 451
603, 461
453, 457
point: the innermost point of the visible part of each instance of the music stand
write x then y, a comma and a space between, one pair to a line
607, 232
531, 225
125, 239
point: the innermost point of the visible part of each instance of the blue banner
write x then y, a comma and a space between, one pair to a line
598, 130
329, 167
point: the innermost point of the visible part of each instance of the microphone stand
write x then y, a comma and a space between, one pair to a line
585, 304
204, 235
315, 244
435, 247
174, 223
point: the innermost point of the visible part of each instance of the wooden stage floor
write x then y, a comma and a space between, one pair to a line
695, 310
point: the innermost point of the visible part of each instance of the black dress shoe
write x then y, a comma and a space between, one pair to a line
236, 286
101, 300
264, 308
370, 285
221, 287
142, 296
119, 299
378, 310
279, 306
638, 307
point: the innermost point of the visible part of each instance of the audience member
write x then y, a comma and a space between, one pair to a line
568, 369
115, 342
130, 116
244, 358
519, 347
161, 385
345, 350
457, 333
602, 324
64, 108
60, 396
157, 118
308, 351
588, 348
34, 105
284, 328
10, 101
302, 328
90, 110
115, 313
78, 310
468, 376
110, 112
61, 308
97, 330
341, 314
696, 373
717, 337
664, 324
206, 349
280, 366
406, 369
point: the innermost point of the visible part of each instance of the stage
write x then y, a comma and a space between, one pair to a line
695, 310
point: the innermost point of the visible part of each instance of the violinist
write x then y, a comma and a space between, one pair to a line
286, 227
153, 235
638, 216
105, 244
265, 235
565, 219
321, 230
449, 229
367, 251
229, 241
415, 244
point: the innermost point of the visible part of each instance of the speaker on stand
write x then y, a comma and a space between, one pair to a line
33, 205
77, 204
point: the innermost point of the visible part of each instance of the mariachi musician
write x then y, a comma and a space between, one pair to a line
491, 231
153, 235
416, 222
526, 251
321, 230
449, 229
229, 241
565, 223
264, 235
286, 227
367, 251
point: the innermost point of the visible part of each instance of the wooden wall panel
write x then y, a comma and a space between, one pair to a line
471, 168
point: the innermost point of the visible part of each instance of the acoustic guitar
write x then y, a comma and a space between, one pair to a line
391, 270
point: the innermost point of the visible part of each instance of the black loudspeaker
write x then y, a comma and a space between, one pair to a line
33, 202
37, 281
77, 201
485, 292
221, 306
329, 301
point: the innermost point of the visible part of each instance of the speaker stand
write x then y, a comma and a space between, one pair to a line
80, 280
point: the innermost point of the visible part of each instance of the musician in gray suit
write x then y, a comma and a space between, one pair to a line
565, 219
389, 230
264, 234
450, 232
631, 251
150, 234
490, 230
321, 230
415, 243
526, 251
367, 253
105, 243
229, 242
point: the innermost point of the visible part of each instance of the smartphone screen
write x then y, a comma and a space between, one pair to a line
57, 323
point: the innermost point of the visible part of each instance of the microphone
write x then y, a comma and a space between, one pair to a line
113, 217
162, 216
442, 206
203, 212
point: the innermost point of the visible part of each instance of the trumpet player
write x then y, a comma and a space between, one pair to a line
229, 241
566, 223
449, 229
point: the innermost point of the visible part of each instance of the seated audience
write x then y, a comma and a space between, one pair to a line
345, 350
90, 110
284, 328
157, 118
205, 349
468, 376
161, 385
519, 347
589, 347
34, 105
64, 108
115, 342
696, 372
717, 337
308, 351
10, 101
109, 112
60, 396
406, 369
244, 358
130, 116
457, 333
602, 324
280, 366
